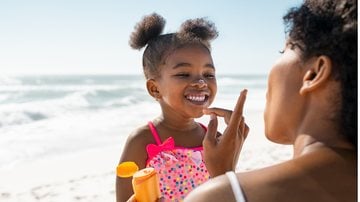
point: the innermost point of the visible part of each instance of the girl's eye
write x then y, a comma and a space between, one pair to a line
282, 51
182, 75
210, 76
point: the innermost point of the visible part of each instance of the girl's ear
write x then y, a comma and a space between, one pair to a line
152, 88
317, 75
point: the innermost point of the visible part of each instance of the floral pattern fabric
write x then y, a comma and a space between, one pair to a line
179, 169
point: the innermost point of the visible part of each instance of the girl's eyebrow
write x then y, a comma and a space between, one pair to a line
182, 64
185, 64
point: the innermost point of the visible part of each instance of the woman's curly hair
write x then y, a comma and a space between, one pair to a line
148, 32
329, 27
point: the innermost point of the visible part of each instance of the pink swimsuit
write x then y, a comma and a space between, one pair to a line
179, 169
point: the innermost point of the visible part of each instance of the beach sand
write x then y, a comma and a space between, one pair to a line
90, 175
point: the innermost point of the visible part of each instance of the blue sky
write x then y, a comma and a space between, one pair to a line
91, 36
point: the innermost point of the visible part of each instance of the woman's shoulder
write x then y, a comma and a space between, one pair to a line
215, 189
325, 175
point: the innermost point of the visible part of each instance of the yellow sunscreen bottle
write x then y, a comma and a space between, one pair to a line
145, 182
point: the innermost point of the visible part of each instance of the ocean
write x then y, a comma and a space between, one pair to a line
52, 115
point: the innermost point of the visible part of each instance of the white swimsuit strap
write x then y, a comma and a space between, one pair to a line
239, 196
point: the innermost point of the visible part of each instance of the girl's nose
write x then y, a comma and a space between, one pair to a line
199, 83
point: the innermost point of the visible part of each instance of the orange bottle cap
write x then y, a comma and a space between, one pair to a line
126, 169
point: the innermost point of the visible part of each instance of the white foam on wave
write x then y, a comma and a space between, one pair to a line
72, 132
23, 88
9, 81
22, 113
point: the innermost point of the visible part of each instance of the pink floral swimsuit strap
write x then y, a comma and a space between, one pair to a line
154, 133
180, 169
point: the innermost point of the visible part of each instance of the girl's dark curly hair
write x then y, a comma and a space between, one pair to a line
148, 32
329, 27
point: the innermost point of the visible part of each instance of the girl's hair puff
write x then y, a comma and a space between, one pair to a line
149, 28
158, 46
199, 30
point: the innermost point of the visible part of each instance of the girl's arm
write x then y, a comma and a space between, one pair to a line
134, 150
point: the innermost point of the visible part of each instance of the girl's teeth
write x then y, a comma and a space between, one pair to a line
196, 98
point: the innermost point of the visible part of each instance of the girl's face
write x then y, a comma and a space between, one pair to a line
187, 83
283, 101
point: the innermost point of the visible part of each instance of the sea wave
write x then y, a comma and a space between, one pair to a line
76, 102
19, 117
8, 81
52, 115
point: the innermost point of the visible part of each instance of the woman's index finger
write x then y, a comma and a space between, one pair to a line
238, 110
218, 111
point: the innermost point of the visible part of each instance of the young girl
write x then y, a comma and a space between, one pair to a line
180, 76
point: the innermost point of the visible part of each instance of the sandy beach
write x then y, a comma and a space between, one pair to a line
90, 175
86, 176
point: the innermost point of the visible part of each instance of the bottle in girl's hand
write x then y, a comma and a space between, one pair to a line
145, 182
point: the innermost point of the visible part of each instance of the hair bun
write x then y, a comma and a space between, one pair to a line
199, 28
148, 28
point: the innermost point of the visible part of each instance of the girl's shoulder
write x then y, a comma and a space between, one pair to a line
140, 136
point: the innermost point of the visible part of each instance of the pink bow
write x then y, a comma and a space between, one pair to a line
153, 149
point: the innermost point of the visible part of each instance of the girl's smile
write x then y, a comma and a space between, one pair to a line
200, 98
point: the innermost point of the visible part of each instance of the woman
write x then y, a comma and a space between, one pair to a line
311, 104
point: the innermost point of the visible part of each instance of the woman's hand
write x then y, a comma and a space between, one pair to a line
221, 152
